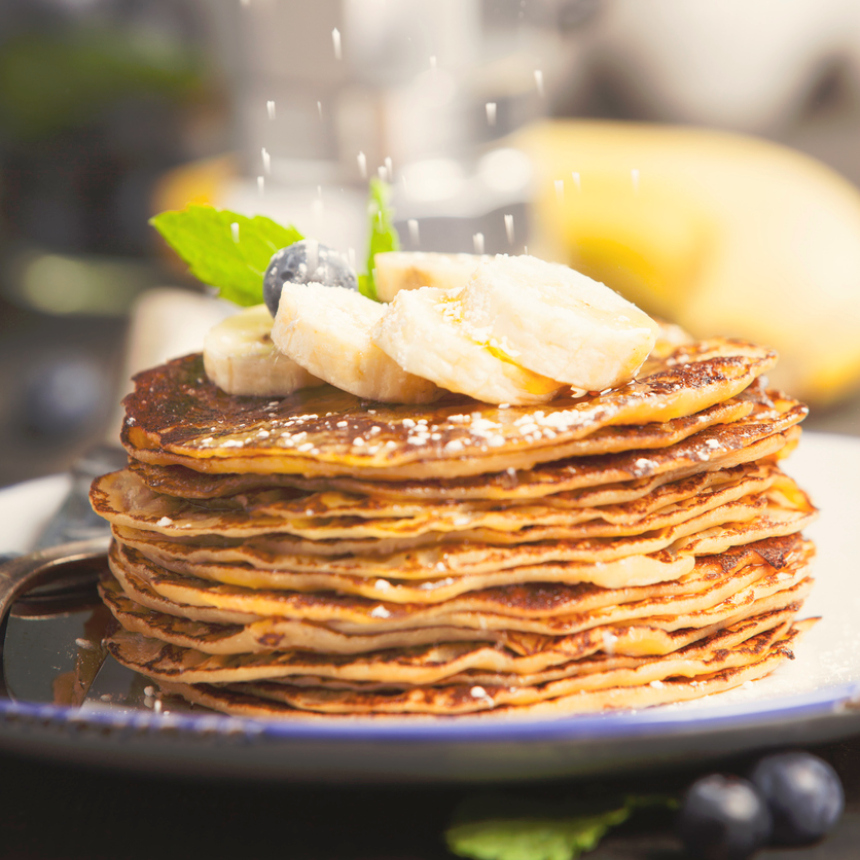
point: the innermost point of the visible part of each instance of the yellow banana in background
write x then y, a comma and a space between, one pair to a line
722, 233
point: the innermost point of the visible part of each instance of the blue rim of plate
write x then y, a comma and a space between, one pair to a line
830, 702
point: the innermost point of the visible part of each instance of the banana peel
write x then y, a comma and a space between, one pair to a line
721, 233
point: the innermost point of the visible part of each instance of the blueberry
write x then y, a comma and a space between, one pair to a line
804, 795
723, 818
301, 263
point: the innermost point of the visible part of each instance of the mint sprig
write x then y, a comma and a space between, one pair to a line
500, 828
383, 235
231, 259
231, 252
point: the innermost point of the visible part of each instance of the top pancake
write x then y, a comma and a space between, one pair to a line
177, 416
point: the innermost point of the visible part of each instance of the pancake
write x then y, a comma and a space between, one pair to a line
767, 514
722, 447
776, 622
177, 416
259, 566
185, 483
525, 599
632, 571
423, 663
765, 435
141, 605
546, 609
243, 701
702, 659
123, 500
325, 557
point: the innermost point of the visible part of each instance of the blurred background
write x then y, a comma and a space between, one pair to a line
702, 158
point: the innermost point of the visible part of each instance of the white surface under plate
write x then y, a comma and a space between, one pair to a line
809, 699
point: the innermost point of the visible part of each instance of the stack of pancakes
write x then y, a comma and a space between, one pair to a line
327, 556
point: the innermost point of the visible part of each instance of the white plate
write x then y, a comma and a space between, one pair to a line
807, 700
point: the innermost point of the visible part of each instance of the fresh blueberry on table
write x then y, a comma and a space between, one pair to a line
723, 818
803, 793
302, 263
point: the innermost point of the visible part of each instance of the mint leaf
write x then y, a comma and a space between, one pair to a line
383, 236
499, 828
205, 239
533, 838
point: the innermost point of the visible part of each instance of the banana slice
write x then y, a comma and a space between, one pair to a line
423, 331
408, 270
558, 322
240, 358
327, 331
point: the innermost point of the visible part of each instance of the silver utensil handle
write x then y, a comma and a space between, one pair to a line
26, 571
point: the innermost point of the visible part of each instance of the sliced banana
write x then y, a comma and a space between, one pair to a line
327, 331
408, 270
240, 357
423, 331
558, 322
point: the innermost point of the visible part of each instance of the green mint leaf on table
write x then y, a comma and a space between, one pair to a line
533, 838
383, 236
232, 259
505, 829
